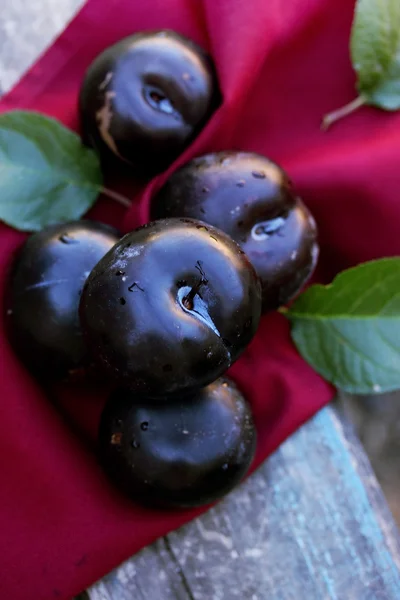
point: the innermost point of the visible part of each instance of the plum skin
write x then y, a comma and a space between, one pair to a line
45, 282
170, 307
145, 98
183, 453
250, 198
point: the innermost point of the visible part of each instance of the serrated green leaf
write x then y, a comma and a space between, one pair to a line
349, 331
375, 51
46, 175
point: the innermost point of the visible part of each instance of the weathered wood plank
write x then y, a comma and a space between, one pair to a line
311, 523
377, 425
26, 30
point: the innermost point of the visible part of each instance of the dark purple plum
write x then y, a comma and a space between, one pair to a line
252, 200
46, 280
145, 98
170, 307
180, 453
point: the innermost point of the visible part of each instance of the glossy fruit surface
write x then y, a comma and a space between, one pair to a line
170, 307
46, 280
180, 453
144, 98
251, 199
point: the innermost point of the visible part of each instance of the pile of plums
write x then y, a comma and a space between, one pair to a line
165, 310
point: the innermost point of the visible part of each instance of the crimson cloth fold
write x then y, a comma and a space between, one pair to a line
281, 67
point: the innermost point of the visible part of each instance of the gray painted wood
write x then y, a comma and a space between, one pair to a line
27, 27
377, 424
310, 524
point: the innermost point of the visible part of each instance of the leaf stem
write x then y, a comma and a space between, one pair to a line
349, 108
123, 200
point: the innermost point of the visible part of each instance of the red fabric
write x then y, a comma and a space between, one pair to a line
281, 66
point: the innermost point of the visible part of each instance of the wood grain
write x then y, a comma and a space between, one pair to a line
310, 524
27, 28
377, 424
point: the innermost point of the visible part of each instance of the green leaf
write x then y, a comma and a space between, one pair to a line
375, 51
46, 175
349, 331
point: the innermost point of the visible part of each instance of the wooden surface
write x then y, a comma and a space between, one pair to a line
27, 27
311, 524
377, 425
